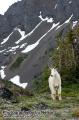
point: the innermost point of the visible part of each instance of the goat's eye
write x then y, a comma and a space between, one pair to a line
51, 75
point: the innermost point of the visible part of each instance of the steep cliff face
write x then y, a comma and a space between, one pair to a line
27, 33
60, 10
25, 13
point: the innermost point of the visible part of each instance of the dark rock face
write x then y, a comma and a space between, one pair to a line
24, 15
5, 93
4, 27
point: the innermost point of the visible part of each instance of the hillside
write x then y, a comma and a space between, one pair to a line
28, 31
35, 35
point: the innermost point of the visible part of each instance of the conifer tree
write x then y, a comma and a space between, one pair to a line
64, 56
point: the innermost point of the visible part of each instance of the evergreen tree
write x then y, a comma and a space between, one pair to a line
64, 57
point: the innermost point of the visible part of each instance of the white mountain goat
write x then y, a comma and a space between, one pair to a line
55, 84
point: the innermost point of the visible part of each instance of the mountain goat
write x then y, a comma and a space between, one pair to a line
55, 84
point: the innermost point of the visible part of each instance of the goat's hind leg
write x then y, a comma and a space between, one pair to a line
59, 93
59, 96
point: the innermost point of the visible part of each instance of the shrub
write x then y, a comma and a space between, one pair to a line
40, 84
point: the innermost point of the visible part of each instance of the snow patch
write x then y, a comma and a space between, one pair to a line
20, 31
59, 27
42, 19
6, 39
16, 81
54, 25
55, 6
31, 47
25, 36
13, 48
2, 73
67, 21
70, 2
49, 20
1, 51
74, 24
23, 45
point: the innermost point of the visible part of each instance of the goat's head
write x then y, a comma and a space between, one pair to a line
53, 71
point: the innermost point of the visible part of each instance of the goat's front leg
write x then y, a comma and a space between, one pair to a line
53, 96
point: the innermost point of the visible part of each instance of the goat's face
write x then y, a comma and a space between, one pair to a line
53, 71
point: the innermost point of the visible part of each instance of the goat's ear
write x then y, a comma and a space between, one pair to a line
50, 68
54, 67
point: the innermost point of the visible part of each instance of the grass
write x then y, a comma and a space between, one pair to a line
71, 90
70, 100
1, 116
75, 112
70, 96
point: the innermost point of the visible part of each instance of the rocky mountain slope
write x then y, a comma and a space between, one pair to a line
28, 31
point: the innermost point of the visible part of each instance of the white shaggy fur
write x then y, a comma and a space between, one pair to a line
55, 84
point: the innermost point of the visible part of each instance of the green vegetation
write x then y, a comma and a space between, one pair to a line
18, 61
70, 99
65, 58
75, 113
40, 84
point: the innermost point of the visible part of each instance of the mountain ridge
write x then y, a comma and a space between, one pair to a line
32, 29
